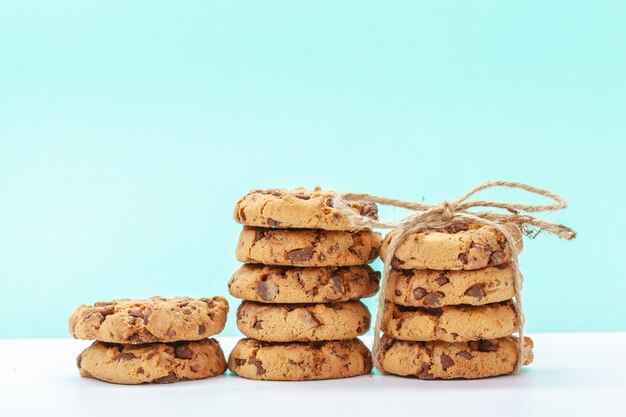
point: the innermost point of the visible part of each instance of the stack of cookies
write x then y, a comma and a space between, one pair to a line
156, 340
304, 273
448, 311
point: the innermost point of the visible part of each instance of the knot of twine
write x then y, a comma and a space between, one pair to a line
448, 213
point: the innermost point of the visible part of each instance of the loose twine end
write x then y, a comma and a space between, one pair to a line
428, 217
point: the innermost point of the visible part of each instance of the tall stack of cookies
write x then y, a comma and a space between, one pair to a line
448, 311
156, 340
304, 273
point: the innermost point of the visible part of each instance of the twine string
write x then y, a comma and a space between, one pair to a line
447, 213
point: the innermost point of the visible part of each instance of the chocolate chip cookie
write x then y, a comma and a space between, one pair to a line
300, 361
297, 209
155, 319
303, 322
458, 247
280, 284
450, 323
430, 288
467, 360
305, 247
152, 363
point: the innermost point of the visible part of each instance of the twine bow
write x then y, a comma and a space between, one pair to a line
448, 213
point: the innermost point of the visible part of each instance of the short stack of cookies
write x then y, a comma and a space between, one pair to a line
304, 273
155, 340
448, 311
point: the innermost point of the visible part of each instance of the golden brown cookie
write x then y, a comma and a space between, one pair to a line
155, 319
303, 322
300, 361
430, 288
458, 247
450, 323
153, 362
304, 247
281, 284
445, 360
297, 209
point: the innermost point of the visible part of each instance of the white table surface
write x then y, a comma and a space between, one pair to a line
573, 374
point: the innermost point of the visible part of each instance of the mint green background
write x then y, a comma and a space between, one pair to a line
128, 131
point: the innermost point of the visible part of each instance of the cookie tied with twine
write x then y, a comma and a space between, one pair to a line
456, 212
